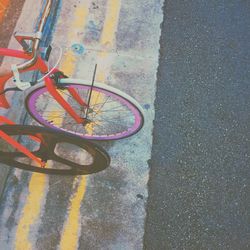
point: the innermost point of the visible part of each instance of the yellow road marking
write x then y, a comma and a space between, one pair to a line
111, 22
108, 38
70, 237
71, 229
37, 191
107, 41
79, 23
31, 211
32, 207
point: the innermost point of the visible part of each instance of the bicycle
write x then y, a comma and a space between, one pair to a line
90, 110
77, 102
43, 148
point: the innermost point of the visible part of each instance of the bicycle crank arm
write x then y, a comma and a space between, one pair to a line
20, 148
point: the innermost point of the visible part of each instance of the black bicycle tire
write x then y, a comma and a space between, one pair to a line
101, 159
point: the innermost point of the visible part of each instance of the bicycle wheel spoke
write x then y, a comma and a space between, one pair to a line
100, 103
63, 93
101, 125
115, 110
51, 111
64, 124
108, 121
103, 104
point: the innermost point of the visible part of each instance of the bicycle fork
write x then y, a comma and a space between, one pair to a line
52, 88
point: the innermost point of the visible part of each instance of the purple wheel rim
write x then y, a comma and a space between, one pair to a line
31, 106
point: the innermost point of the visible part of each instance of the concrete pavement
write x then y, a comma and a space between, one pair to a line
105, 210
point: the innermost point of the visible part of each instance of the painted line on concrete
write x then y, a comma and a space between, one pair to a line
72, 226
31, 211
81, 15
38, 182
35, 198
107, 40
38, 189
4, 4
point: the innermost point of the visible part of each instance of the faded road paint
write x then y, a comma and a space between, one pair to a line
72, 228
111, 21
72, 225
78, 24
31, 211
38, 189
71, 231
108, 39
107, 43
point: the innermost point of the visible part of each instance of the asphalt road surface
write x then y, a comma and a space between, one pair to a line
199, 193
105, 210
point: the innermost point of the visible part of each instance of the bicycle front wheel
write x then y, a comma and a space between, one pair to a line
111, 114
63, 153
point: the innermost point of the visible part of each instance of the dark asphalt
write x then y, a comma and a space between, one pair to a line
199, 188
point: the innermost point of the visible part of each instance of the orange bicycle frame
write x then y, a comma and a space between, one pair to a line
50, 84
